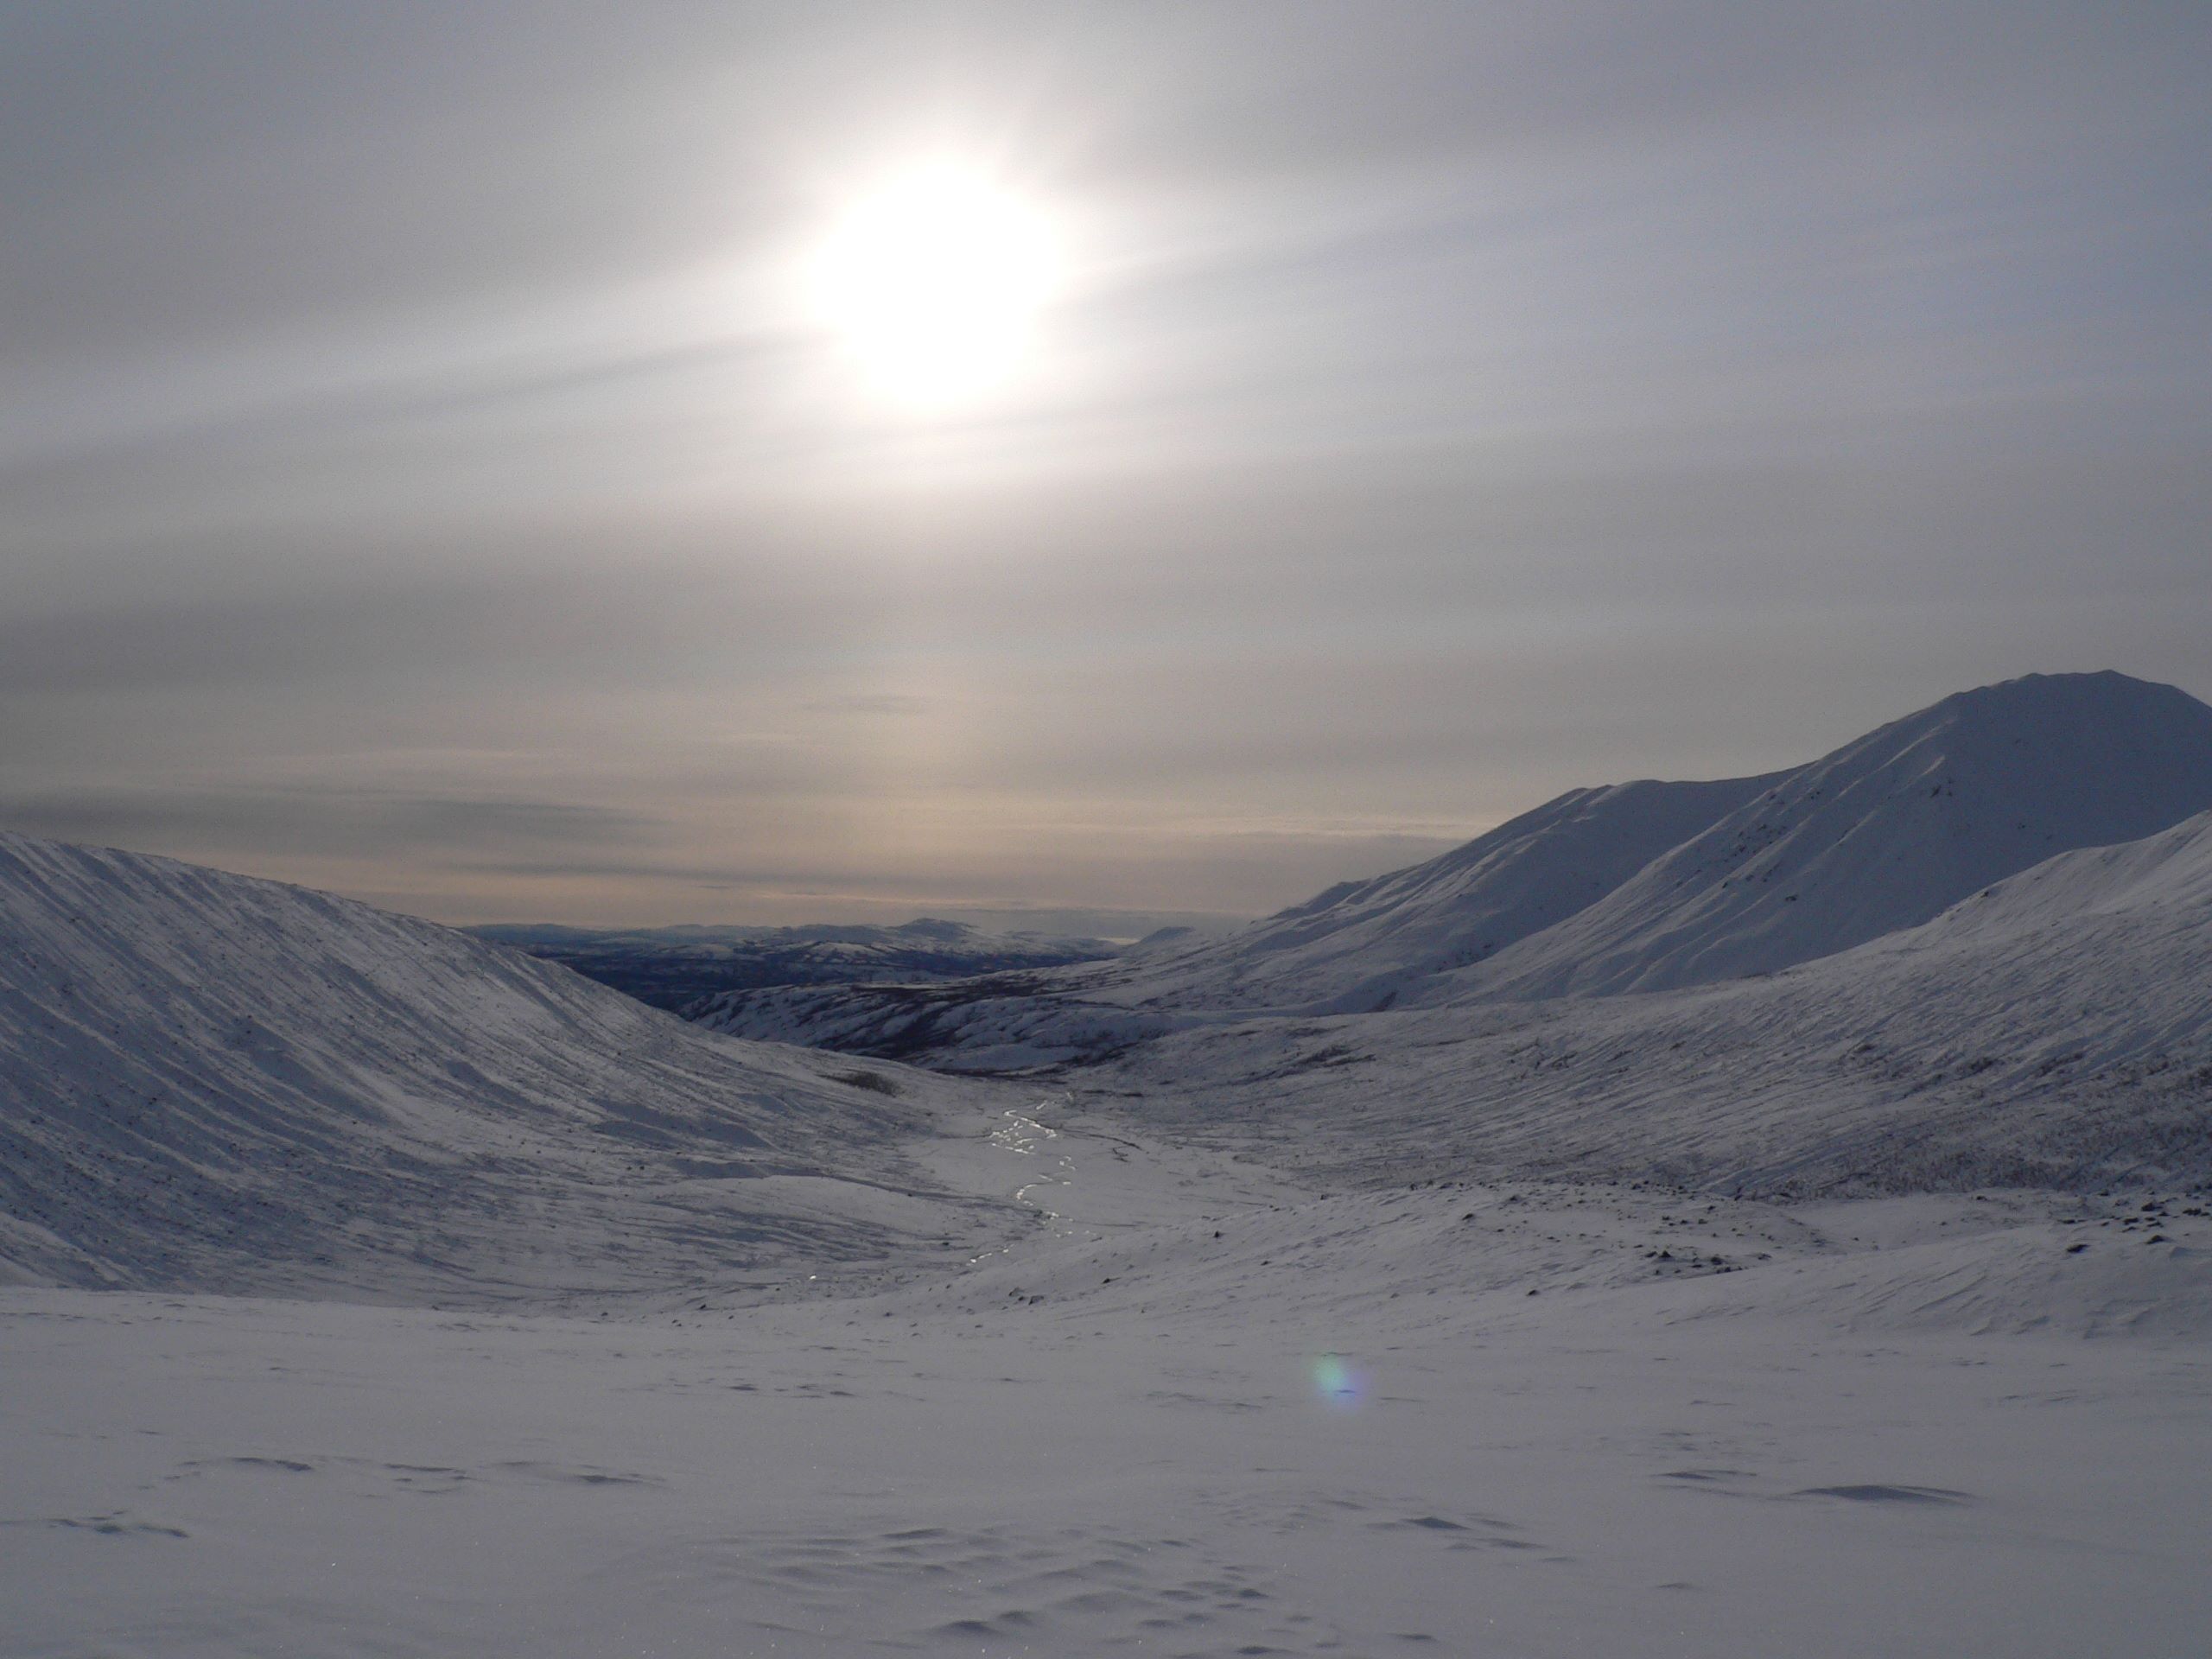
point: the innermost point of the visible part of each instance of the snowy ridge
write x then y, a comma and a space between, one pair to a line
218, 1082
1882, 834
1356, 946
2053, 1031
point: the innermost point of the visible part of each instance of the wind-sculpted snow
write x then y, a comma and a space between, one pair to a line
1198, 1409
215, 1082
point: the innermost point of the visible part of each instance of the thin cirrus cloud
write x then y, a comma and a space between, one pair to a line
425, 477
311, 819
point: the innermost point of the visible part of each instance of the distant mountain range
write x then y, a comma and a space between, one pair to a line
677, 967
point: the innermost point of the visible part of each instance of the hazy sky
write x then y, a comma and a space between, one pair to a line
422, 472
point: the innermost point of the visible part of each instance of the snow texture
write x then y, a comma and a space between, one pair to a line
1196, 1413
216, 1083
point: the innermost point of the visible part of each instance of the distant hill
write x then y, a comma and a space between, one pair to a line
676, 967
212, 1083
1652, 886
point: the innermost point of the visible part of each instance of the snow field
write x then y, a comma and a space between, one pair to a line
1820, 1430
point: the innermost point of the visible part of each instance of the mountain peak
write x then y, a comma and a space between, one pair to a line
1891, 829
2102, 696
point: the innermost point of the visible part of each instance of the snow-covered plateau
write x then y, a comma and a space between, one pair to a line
1763, 1217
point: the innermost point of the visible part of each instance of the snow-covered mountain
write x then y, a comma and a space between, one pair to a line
2053, 1030
1643, 888
1357, 944
1972, 945
213, 1081
676, 967
1884, 834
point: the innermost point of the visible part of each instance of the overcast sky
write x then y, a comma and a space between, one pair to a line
421, 476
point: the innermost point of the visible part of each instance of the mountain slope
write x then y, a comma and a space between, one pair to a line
1363, 942
2053, 1031
1361, 945
210, 1081
1884, 834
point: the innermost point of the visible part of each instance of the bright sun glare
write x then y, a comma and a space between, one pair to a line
935, 282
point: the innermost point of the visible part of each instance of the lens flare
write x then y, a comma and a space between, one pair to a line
1337, 1382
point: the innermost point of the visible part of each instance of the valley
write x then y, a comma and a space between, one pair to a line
1820, 1278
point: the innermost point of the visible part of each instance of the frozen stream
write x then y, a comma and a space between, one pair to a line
1028, 1137
1089, 1180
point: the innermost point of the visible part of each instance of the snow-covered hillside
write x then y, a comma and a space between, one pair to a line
1358, 944
1643, 888
1612, 1324
2054, 1031
1883, 834
213, 1081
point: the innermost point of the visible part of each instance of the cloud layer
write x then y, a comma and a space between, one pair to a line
422, 478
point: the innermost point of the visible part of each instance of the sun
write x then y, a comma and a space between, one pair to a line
934, 283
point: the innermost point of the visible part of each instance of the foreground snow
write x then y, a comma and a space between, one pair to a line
1190, 1408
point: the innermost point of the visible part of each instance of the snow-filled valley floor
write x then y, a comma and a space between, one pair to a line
1189, 1405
